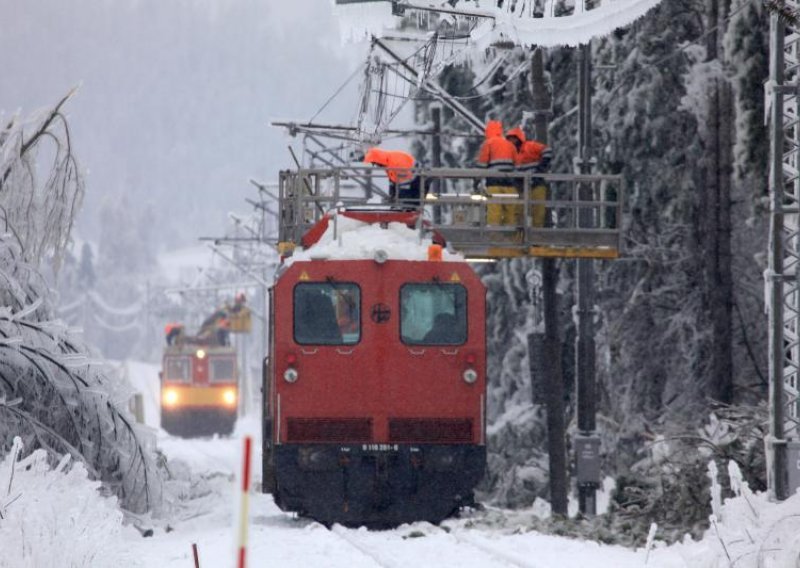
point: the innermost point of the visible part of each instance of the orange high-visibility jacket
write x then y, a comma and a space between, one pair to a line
398, 164
516, 131
534, 156
496, 152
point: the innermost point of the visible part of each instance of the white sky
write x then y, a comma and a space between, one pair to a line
176, 95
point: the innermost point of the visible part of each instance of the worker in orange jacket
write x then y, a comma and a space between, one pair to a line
500, 155
532, 157
403, 184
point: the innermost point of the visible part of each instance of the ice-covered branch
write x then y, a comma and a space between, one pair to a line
39, 213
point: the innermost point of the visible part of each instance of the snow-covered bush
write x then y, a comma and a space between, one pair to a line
746, 530
56, 517
670, 486
56, 399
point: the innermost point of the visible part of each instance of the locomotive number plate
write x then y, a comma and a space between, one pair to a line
380, 447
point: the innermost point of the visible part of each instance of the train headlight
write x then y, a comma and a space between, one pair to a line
170, 397
470, 376
229, 397
200, 354
290, 375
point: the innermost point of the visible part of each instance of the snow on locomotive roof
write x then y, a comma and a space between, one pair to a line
356, 240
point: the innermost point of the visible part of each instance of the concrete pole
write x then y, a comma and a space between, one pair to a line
774, 279
584, 342
553, 378
436, 156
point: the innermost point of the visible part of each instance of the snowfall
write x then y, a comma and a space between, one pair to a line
55, 516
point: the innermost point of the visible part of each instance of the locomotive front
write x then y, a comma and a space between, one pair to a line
375, 390
199, 390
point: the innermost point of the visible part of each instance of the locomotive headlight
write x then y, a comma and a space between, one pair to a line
170, 397
200, 354
229, 397
290, 375
470, 376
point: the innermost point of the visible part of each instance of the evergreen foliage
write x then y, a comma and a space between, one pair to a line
657, 320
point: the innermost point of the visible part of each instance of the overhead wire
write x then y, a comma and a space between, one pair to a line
335, 94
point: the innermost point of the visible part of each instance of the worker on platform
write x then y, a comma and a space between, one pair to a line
214, 329
239, 304
174, 333
533, 157
500, 155
403, 184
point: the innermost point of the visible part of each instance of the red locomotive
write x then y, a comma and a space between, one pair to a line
199, 384
374, 391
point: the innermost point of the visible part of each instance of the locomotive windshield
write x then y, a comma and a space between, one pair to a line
327, 313
177, 369
221, 369
433, 314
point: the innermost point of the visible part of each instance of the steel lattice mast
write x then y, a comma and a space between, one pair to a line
784, 246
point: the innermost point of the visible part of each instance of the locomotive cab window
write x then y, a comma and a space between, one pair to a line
327, 313
433, 314
221, 369
178, 369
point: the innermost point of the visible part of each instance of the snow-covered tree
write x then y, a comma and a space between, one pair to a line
680, 320
53, 394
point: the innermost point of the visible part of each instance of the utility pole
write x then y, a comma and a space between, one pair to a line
551, 352
587, 444
436, 154
781, 276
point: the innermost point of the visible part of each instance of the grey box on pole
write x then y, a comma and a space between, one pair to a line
793, 467
587, 459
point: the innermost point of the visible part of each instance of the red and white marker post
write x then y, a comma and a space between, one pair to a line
244, 505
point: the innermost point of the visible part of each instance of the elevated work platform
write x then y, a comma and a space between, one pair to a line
574, 216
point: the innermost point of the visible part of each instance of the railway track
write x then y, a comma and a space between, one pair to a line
349, 536
507, 558
494, 556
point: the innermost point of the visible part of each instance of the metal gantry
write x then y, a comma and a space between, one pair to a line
782, 276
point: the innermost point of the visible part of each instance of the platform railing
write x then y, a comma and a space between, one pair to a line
455, 203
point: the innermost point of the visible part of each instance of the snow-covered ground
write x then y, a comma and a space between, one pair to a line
52, 518
478, 539
280, 539
49, 518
